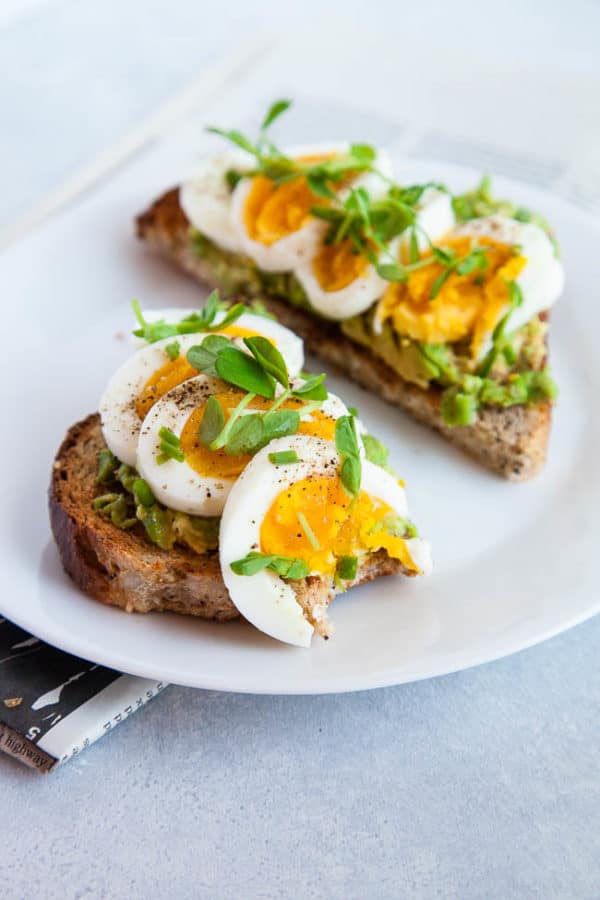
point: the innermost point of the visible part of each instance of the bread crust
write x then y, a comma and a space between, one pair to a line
123, 568
510, 441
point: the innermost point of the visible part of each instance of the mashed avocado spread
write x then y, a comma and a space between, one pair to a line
130, 502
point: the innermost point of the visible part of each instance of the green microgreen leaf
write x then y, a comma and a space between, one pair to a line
515, 294
269, 357
275, 110
233, 177
172, 350
213, 422
327, 213
223, 437
235, 137
392, 272
251, 433
204, 320
359, 201
350, 474
310, 535
365, 153
285, 566
439, 283
346, 443
231, 316
203, 357
312, 389
515, 299
247, 435
210, 309
413, 248
345, 436
170, 447
284, 457
375, 451
445, 257
475, 260
318, 186
244, 371
281, 423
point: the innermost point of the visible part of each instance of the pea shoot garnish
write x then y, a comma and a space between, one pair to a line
310, 535
172, 350
170, 447
285, 566
215, 315
346, 442
257, 373
322, 176
284, 458
499, 340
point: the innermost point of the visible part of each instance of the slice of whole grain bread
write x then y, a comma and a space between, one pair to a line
511, 442
123, 568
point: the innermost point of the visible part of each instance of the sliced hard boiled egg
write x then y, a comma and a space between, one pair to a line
274, 224
147, 375
205, 197
338, 282
436, 305
301, 511
541, 279
200, 483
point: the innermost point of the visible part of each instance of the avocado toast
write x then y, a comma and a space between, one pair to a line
219, 479
437, 303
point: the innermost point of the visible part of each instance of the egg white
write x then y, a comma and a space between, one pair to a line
290, 251
174, 483
541, 280
265, 599
120, 421
205, 198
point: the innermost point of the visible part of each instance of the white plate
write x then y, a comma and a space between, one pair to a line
514, 564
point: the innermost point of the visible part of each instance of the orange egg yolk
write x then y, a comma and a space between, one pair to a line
175, 372
338, 526
273, 211
466, 306
336, 266
217, 463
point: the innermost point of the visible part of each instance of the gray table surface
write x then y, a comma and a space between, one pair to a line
480, 784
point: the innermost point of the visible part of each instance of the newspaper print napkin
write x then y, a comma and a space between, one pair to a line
54, 705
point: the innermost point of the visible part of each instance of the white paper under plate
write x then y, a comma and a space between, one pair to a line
514, 564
